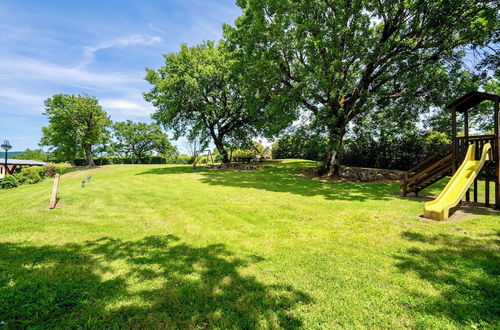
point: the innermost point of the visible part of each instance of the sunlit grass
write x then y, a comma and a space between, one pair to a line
166, 247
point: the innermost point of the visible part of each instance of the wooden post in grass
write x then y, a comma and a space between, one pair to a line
53, 197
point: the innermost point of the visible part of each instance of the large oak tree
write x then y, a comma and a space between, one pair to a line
200, 90
338, 59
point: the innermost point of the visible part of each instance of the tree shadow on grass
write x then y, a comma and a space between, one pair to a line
156, 282
463, 270
282, 177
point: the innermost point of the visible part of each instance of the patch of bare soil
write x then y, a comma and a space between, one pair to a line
467, 211
355, 174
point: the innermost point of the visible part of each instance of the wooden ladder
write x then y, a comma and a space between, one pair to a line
429, 171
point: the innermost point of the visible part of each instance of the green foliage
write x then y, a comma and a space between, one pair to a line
51, 169
141, 140
300, 144
11, 181
397, 152
342, 59
200, 91
61, 168
33, 174
35, 154
76, 124
240, 153
163, 247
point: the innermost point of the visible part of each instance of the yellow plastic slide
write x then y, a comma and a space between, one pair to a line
455, 190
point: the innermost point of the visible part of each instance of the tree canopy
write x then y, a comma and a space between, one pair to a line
76, 124
339, 59
201, 90
32, 154
141, 139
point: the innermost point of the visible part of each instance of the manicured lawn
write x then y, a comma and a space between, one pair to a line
163, 247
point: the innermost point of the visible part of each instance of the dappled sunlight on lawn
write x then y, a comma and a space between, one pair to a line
462, 270
155, 281
283, 177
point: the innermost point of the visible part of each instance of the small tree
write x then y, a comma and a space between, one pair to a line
76, 124
201, 89
141, 139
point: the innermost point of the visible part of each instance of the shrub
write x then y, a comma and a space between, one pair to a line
51, 168
61, 168
32, 174
301, 144
184, 159
10, 181
392, 152
239, 153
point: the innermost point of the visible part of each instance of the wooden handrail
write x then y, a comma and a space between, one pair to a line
476, 137
428, 159
429, 169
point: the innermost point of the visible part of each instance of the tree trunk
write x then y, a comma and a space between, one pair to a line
88, 153
222, 150
332, 162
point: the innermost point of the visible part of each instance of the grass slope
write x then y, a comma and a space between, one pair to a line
163, 247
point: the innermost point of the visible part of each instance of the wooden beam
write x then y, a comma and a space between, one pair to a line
496, 156
487, 192
454, 139
53, 197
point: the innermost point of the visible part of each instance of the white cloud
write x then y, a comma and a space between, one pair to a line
131, 40
154, 28
19, 69
120, 106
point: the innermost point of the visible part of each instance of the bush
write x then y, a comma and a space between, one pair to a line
11, 181
32, 174
184, 159
51, 168
239, 153
300, 144
395, 153
61, 168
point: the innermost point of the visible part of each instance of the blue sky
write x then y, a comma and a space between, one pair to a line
96, 47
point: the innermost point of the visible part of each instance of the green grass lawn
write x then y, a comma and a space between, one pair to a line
162, 247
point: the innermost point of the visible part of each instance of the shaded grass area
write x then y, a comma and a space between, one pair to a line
76, 284
148, 246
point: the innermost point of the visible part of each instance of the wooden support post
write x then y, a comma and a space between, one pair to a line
454, 139
475, 191
53, 197
496, 156
487, 192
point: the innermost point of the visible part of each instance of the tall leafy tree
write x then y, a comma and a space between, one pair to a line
200, 90
141, 139
338, 59
76, 124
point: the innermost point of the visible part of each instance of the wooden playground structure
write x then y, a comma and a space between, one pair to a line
446, 161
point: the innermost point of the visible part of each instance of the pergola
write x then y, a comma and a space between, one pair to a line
13, 164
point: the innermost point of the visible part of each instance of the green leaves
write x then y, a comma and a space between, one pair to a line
141, 139
316, 52
202, 90
76, 123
